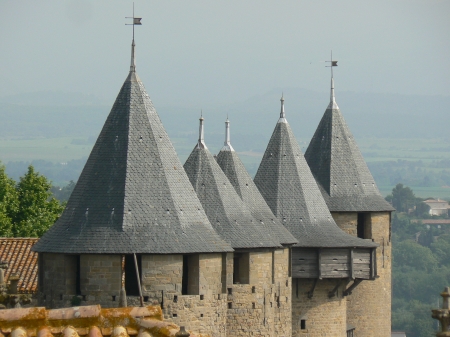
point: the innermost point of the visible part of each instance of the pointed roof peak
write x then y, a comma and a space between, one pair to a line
201, 135
333, 104
282, 113
227, 144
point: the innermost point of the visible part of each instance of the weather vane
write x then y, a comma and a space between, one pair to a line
332, 63
136, 21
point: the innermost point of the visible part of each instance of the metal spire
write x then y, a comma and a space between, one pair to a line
333, 104
136, 21
227, 144
282, 113
201, 139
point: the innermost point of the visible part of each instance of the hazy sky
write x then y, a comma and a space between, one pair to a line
205, 53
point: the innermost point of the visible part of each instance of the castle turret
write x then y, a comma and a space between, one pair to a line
243, 184
325, 258
359, 209
134, 216
254, 298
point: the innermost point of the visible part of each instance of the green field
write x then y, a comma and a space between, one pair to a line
416, 154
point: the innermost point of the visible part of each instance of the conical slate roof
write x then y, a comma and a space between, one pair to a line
243, 184
288, 186
339, 167
133, 195
227, 213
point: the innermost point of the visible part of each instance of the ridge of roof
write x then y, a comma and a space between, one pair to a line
339, 167
133, 195
288, 186
227, 213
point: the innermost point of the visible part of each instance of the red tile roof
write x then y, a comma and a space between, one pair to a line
21, 261
88, 321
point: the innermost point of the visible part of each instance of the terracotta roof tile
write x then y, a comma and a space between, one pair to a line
21, 261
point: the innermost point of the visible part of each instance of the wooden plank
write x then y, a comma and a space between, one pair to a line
336, 274
362, 261
335, 252
305, 274
335, 266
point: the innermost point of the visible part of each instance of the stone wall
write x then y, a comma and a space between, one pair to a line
262, 307
162, 284
57, 271
101, 279
369, 305
323, 316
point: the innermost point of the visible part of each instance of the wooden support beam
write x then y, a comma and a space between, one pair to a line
373, 264
320, 263
349, 290
332, 293
352, 267
311, 292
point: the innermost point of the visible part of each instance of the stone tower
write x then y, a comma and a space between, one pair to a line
359, 209
134, 210
252, 280
327, 263
244, 186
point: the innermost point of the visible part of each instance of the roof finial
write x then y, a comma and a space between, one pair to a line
333, 104
201, 140
136, 21
282, 113
227, 144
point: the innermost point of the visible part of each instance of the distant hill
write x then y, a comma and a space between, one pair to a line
53, 115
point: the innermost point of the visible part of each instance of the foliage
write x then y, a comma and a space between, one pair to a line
420, 270
27, 209
8, 203
402, 198
63, 193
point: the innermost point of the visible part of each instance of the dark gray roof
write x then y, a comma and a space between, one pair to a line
288, 186
339, 168
223, 206
238, 176
133, 195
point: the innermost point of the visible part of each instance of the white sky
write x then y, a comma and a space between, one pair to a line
204, 53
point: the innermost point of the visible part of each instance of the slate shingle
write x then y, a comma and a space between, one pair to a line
238, 176
133, 195
288, 186
223, 206
339, 167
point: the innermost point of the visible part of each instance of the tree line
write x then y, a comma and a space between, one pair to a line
28, 207
421, 264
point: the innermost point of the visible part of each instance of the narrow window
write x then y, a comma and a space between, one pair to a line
224, 273
303, 324
131, 281
191, 275
184, 282
241, 268
78, 276
360, 226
